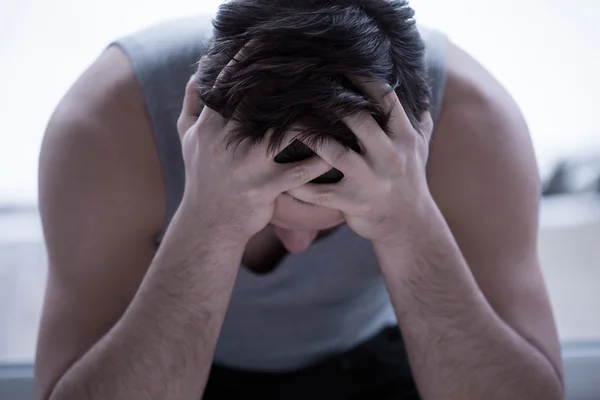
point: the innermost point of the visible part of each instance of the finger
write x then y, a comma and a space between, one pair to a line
193, 109
285, 177
209, 115
223, 75
194, 104
422, 146
386, 96
277, 146
374, 140
190, 110
334, 196
264, 152
342, 158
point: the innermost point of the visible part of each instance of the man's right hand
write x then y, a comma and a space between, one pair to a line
123, 319
232, 190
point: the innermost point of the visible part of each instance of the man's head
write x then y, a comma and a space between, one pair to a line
293, 75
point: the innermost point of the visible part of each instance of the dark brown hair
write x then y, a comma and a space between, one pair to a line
296, 59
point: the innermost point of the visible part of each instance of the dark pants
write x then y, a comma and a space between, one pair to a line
376, 369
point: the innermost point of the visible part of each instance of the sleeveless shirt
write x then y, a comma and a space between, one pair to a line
314, 304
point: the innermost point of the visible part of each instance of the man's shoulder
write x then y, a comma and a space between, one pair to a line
481, 140
477, 110
104, 104
100, 130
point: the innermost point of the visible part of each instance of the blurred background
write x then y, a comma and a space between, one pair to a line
546, 52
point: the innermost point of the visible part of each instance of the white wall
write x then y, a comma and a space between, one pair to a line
544, 51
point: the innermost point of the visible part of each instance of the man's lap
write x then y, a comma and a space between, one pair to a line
376, 369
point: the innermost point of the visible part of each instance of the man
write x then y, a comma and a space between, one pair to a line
310, 172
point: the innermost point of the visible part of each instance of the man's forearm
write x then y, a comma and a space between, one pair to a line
458, 346
163, 345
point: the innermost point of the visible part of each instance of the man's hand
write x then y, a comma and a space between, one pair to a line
232, 190
386, 186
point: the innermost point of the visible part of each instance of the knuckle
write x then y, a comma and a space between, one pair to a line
192, 85
183, 124
340, 155
254, 194
299, 175
388, 100
427, 125
322, 198
217, 151
365, 208
180, 126
386, 187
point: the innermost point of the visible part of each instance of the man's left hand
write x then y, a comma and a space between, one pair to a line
385, 188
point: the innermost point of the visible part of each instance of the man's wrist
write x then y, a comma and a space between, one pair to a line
415, 231
192, 224
427, 259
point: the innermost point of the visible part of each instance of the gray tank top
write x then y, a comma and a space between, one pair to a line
314, 304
